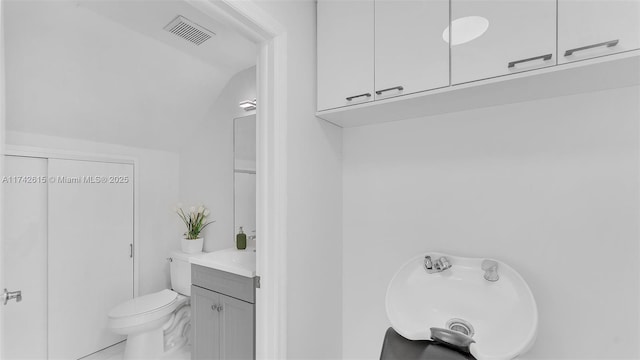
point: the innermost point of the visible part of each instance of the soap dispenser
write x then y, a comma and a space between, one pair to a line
241, 240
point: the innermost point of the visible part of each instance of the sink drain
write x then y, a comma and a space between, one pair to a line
461, 326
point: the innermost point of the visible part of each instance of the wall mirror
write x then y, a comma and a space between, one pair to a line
244, 149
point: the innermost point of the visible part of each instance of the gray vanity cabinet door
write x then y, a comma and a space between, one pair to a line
237, 330
205, 324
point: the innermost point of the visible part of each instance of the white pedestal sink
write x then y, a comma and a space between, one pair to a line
502, 315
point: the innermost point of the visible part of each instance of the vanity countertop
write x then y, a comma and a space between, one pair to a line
232, 260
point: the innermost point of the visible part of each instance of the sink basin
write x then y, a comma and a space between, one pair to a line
239, 262
502, 315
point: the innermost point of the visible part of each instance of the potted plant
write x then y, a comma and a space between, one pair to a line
195, 220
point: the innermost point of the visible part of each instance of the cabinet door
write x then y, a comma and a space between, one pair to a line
410, 53
594, 28
521, 35
237, 329
345, 53
205, 324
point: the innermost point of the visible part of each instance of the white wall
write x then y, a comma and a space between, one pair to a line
100, 80
159, 230
206, 160
550, 187
314, 206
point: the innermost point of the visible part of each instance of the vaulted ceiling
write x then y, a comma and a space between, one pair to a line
107, 71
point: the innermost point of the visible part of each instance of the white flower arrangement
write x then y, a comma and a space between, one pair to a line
194, 220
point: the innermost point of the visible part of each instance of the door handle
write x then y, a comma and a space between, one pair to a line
543, 57
10, 295
606, 43
399, 88
358, 96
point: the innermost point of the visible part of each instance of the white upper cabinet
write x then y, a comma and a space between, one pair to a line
345, 53
410, 53
495, 37
373, 52
588, 28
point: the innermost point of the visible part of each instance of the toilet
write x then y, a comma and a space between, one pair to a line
157, 324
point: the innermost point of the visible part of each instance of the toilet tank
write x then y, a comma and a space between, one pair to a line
180, 269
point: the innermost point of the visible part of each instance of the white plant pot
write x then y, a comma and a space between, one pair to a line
192, 246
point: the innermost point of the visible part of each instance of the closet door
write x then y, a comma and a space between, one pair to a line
24, 261
90, 268
410, 53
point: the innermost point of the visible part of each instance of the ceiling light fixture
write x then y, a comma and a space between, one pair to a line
248, 105
466, 29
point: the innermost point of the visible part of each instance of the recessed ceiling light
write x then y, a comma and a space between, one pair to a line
466, 29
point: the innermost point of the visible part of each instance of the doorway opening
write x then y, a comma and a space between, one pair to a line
252, 21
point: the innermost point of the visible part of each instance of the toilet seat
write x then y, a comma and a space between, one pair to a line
144, 304
143, 309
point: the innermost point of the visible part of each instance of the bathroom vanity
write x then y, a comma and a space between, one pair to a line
224, 282
223, 305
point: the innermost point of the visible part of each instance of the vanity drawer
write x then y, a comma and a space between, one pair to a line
233, 285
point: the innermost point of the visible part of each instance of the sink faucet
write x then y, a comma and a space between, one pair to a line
490, 268
436, 266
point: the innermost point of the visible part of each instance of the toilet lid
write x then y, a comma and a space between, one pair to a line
144, 304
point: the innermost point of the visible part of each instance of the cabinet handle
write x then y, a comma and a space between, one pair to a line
217, 308
357, 96
606, 43
543, 57
399, 88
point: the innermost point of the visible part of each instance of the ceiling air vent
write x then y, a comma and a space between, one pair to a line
189, 30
